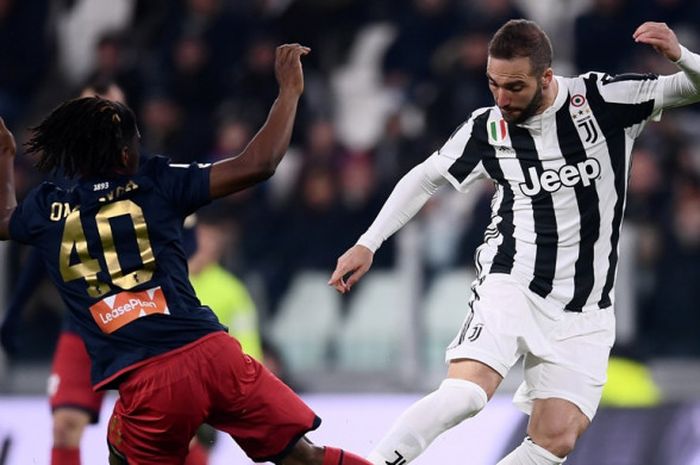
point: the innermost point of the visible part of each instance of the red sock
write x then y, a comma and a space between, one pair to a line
65, 456
335, 456
198, 455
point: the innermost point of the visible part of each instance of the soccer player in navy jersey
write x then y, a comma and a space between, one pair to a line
558, 150
74, 404
112, 246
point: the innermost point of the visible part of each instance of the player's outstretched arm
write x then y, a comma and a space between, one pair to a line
407, 198
8, 199
260, 158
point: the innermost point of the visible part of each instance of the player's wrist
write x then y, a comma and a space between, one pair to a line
369, 243
682, 54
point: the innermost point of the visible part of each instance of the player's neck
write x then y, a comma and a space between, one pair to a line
549, 95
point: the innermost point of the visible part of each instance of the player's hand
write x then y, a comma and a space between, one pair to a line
8, 148
661, 37
288, 71
356, 261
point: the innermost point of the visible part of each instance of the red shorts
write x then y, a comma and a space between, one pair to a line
162, 403
69, 384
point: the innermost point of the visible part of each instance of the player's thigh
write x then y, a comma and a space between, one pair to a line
488, 342
262, 414
575, 369
159, 409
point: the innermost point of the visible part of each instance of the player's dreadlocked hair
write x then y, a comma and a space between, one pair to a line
520, 38
84, 137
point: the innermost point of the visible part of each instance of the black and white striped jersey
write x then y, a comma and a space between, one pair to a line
561, 180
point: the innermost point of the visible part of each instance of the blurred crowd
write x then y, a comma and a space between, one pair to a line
386, 83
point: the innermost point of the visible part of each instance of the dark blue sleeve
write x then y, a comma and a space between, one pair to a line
185, 186
26, 220
30, 276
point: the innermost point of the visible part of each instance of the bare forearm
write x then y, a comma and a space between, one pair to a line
260, 158
8, 199
272, 141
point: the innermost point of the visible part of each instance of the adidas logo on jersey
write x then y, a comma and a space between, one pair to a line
567, 176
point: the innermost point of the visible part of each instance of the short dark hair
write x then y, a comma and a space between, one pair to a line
84, 136
520, 38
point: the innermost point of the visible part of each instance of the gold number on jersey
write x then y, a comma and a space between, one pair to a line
88, 267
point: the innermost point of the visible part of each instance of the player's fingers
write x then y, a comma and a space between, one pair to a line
297, 53
650, 28
339, 287
291, 52
355, 277
337, 275
284, 53
338, 284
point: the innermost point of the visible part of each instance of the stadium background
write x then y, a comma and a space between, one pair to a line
386, 83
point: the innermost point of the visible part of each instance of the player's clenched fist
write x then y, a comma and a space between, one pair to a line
288, 69
7, 141
356, 261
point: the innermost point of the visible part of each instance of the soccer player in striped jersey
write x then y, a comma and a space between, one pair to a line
112, 246
558, 150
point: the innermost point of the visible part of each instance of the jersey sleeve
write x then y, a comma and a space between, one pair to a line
27, 220
682, 88
459, 159
184, 186
639, 96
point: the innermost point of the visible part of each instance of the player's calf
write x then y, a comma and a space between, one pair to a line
453, 402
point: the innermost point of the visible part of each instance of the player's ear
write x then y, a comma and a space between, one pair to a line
547, 77
124, 156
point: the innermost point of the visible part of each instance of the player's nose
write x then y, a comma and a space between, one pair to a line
502, 98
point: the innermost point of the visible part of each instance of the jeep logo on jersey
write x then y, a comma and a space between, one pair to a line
567, 176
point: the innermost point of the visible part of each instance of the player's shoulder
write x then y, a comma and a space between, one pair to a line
47, 192
153, 164
602, 79
480, 115
156, 165
155, 170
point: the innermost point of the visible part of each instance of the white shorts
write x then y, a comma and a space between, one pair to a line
565, 353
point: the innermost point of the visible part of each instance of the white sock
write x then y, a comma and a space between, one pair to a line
529, 453
454, 401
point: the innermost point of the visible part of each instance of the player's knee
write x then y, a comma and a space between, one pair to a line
456, 400
68, 428
558, 441
557, 431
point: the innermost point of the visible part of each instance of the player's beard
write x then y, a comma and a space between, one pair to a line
529, 110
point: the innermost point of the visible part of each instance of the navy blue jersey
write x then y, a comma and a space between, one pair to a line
113, 249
